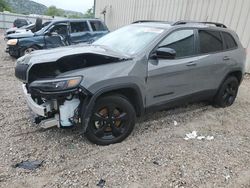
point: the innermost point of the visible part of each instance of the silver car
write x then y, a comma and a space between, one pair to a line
137, 69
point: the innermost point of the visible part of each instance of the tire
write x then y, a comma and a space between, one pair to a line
112, 120
28, 50
227, 92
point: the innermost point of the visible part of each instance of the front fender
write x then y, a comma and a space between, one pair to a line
28, 42
90, 100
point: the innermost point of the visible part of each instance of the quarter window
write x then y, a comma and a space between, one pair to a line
181, 41
229, 41
77, 27
97, 26
210, 41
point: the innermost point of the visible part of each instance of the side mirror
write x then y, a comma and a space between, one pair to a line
165, 53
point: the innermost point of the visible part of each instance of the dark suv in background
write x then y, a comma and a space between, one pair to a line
20, 22
57, 33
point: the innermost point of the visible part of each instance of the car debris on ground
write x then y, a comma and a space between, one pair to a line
29, 165
193, 135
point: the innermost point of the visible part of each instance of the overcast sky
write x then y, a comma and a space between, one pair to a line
75, 5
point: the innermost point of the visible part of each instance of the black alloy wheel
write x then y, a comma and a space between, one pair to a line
112, 120
227, 92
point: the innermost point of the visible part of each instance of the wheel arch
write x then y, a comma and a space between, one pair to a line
34, 45
130, 91
22, 49
237, 73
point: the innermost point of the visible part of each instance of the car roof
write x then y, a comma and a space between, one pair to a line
75, 20
182, 24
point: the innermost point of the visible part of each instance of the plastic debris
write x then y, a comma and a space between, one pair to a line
175, 123
29, 165
101, 183
201, 137
227, 177
210, 137
191, 135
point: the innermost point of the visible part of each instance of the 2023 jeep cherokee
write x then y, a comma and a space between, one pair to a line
136, 69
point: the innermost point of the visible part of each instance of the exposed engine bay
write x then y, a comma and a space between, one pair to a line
68, 63
55, 99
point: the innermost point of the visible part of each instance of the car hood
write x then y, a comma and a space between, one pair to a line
52, 55
23, 31
20, 35
11, 29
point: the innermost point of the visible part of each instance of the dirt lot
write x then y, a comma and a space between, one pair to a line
155, 155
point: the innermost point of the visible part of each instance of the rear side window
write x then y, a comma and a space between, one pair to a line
210, 41
97, 26
181, 41
77, 27
20, 22
229, 41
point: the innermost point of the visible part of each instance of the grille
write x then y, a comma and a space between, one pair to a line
21, 71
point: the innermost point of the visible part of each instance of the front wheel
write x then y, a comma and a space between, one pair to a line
112, 120
227, 92
28, 50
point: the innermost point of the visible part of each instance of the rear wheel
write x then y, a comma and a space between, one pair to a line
112, 120
227, 92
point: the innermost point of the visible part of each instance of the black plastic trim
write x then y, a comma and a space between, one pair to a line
196, 97
86, 112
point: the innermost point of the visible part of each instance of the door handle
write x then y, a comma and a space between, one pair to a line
191, 64
226, 58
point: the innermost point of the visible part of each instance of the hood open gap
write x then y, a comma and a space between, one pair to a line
69, 63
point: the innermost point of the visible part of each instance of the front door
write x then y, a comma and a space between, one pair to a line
57, 36
170, 79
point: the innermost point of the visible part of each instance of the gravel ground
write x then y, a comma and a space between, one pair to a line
155, 155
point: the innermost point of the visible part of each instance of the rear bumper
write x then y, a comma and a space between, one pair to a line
40, 110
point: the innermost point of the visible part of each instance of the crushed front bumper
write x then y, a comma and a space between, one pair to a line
40, 110
13, 50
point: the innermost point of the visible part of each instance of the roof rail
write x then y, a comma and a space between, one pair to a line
145, 21
212, 23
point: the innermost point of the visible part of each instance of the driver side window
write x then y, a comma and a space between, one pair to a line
59, 29
182, 41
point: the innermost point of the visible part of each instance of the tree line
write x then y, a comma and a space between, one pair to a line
52, 11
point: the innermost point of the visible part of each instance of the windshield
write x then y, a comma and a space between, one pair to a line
130, 39
41, 31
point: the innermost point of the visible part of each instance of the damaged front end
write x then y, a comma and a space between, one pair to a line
53, 87
56, 101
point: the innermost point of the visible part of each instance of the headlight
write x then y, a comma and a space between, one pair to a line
12, 42
59, 84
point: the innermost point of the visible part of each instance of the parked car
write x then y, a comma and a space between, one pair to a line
28, 28
134, 70
19, 30
20, 22
57, 33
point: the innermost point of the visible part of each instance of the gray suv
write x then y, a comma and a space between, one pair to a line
139, 68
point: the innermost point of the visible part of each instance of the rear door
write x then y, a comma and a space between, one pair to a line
212, 59
80, 32
98, 29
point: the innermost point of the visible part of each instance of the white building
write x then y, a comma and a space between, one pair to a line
235, 14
